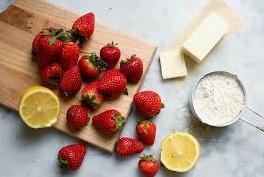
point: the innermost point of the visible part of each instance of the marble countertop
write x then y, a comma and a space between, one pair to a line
234, 151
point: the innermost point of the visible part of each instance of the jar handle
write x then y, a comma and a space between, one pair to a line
254, 123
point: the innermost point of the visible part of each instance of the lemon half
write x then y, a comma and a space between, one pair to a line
180, 152
39, 107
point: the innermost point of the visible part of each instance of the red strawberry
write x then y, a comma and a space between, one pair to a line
35, 43
148, 166
91, 97
51, 75
148, 103
71, 157
109, 122
128, 146
47, 46
110, 54
45, 60
146, 132
77, 117
69, 55
70, 83
49, 42
132, 68
112, 84
84, 25
91, 65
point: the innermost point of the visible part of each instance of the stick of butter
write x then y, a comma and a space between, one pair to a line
172, 65
205, 37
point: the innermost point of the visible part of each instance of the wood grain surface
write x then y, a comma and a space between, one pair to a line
18, 25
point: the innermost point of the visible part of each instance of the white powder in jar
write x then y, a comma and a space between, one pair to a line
218, 99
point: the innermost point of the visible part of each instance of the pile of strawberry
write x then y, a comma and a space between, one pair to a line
57, 53
148, 104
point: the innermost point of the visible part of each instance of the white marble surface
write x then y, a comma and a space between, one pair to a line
234, 151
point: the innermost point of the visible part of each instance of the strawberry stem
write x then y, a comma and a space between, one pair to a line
63, 163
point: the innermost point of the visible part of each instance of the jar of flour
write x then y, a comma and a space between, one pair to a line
219, 99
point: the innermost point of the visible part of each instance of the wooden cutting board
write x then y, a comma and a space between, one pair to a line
18, 25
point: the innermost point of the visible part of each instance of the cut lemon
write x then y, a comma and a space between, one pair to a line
39, 107
179, 152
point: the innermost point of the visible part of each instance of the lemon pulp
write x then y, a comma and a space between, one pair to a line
39, 107
180, 152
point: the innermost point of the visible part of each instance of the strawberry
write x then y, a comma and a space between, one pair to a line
84, 25
45, 60
47, 45
148, 103
110, 54
71, 157
112, 83
132, 68
77, 117
70, 83
35, 43
91, 97
148, 166
146, 132
129, 146
51, 75
69, 55
109, 122
91, 65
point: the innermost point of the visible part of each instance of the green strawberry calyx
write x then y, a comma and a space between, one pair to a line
148, 158
128, 59
112, 44
145, 124
56, 34
90, 100
76, 36
96, 61
63, 163
54, 81
120, 121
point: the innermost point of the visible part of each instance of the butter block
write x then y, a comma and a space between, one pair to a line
205, 37
172, 65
